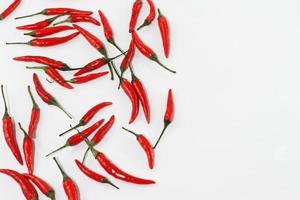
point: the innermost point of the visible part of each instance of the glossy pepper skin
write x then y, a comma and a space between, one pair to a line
151, 15
28, 150
27, 188
87, 78
35, 116
38, 25
164, 32
49, 31
43, 186
9, 132
10, 9
79, 18
127, 58
136, 9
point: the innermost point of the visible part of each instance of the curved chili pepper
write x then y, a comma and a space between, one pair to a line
27, 188
28, 150
164, 32
59, 11
87, 117
169, 115
93, 175
136, 9
70, 186
49, 31
79, 18
87, 78
38, 25
55, 75
45, 61
151, 15
146, 145
47, 42
147, 51
77, 139
35, 116
127, 58
10, 9
46, 96
9, 132
44, 187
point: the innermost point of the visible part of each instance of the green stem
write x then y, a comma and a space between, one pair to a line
35, 105
10, 43
142, 26
72, 128
162, 133
22, 129
5, 103
55, 103
60, 148
129, 131
37, 67
85, 155
65, 176
155, 59
110, 183
31, 15
61, 22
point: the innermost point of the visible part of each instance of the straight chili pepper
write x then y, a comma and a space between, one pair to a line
136, 9
10, 9
46, 96
59, 11
27, 188
77, 139
127, 58
151, 15
38, 25
93, 175
9, 132
43, 186
49, 31
35, 116
87, 117
164, 32
87, 78
46, 42
146, 145
147, 51
69, 185
79, 18
28, 150
169, 115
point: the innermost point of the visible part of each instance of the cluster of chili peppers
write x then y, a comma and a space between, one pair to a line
134, 89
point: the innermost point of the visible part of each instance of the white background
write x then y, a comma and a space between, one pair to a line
236, 128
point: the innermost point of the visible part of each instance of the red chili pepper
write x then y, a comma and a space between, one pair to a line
87, 78
28, 150
59, 11
10, 9
47, 42
77, 139
9, 132
151, 15
93, 175
136, 9
164, 32
35, 116
79, 18
87, 117
169, 115
46, 96
27, 188
146, 145
146, 51
70, 186
49, 31
44, 187
38, 25
127, 58
55, 75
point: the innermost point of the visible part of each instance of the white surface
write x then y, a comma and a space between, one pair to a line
236, 129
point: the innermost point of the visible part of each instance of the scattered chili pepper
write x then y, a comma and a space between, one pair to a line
77, 139
127, 58
136, 9
87, 78
151, 15
38, 25
164, 32
70, 186
59, 11
10, 9
44, 187
79, 18
9, 132
146, 145
87, 117
49, 31
35, 116
46, 42
46, 96
169, 115
146, 51
93, 175
55, 75
27, 188
28, 150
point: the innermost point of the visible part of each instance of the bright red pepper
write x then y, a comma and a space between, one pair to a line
10, 9
44, 187
79, 18
49, 31
38, 25
9, 132
164, 32
150, 16
136, 9
127, 58
35, 116
46, 96
87, 78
